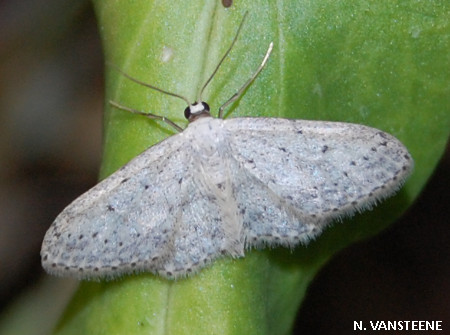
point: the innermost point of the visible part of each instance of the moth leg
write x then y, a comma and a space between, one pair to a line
148, 115
248, 82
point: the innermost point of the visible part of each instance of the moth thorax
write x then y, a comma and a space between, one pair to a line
196, 110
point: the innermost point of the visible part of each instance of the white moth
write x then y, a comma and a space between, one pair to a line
220, 187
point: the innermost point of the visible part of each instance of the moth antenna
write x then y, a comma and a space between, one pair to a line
223, 58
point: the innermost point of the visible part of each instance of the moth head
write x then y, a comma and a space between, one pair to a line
196, 110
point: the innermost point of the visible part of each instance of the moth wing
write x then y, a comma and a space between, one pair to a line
315, 171
207, 226
121, 225
158, 213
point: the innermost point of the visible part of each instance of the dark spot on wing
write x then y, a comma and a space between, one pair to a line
383, 135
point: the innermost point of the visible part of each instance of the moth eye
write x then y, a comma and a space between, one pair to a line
187, 112
205, 106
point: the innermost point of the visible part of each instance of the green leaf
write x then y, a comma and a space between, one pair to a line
383, 64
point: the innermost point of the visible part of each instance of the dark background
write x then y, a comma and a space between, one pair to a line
51, 99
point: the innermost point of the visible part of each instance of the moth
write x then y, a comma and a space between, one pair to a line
222, 186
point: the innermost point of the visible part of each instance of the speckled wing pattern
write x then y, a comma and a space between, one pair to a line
315, 171
219, 187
